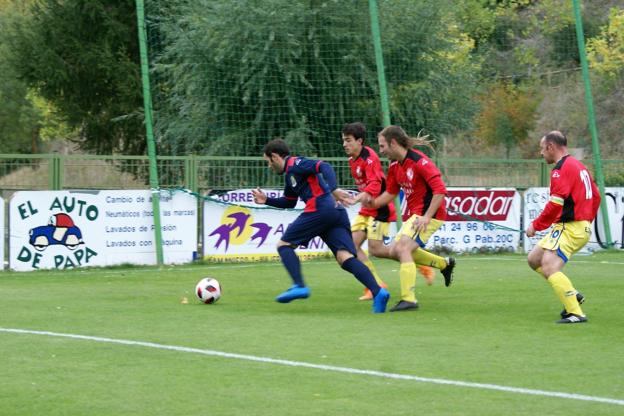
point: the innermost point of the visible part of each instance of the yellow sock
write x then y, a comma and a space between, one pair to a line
373, 270
566, 292
407, 274
421, 256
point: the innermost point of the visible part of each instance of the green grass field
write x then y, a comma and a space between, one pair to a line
493, 326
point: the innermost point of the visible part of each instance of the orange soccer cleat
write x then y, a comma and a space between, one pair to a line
368, 295
428, 273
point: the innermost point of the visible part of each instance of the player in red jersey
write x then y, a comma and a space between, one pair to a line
370, 223
573, 205
424, 189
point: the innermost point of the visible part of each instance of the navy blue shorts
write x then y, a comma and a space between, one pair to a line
332, 225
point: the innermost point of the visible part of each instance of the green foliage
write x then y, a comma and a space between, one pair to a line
82, 56
606, 51
257, 70
507, 117
19, 118
614, 179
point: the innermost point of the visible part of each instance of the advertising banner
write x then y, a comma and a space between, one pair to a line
536, 198
67, 229
250, 232
480, 219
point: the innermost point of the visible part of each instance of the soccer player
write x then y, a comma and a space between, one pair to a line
314, 181
573, 205
424, 189
370, 223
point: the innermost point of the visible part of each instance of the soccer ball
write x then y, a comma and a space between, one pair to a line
208, 290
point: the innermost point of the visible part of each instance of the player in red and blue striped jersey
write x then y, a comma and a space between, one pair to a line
573, 205
314, 181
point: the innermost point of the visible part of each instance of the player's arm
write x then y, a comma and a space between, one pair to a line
551, 212
381, 201
286, 201
439, 192
329, 176
327, 171
559, 191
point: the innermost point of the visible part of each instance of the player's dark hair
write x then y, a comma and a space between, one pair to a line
401, 137
557, 138
356, 130
277, 146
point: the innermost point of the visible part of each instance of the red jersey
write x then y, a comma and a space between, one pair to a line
369, 177
420, 179
573, 195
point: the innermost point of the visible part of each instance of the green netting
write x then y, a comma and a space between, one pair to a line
480, 77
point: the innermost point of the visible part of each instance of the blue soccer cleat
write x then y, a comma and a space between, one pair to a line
380, 301
294, 292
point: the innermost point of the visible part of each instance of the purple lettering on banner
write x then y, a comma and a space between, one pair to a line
234, 197
316, 242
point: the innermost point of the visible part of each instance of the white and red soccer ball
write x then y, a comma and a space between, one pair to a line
208, 290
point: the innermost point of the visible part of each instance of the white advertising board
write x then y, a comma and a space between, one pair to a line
536, 198
480, 218
249, 232
67, 229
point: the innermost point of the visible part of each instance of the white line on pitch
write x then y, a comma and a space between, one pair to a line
347, 370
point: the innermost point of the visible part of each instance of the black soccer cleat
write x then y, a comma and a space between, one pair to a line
447, 272
572, 319
404, 305
579, 298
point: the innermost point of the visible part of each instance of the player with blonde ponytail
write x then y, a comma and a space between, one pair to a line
421, 181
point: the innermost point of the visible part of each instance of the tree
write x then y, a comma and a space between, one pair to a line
231, 75
508, 115
605, 52
82, 56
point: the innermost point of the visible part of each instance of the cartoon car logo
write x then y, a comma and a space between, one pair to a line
60, 230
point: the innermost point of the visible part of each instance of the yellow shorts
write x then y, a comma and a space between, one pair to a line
566, 238
375, 230
421, 237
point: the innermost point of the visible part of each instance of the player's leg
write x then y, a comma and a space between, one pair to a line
428, 273
558, 246
358, 230
402, 250
299, 232
535, 260
374, 231
424, 257
552, 265
338, 239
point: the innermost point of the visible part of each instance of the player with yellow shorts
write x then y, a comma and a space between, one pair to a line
420, 179
374, 229
370, 224
572, 206
566, 238
420, 237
